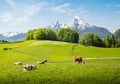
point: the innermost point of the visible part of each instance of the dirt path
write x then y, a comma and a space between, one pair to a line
102, 58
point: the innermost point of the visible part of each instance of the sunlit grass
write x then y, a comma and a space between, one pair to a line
59, 69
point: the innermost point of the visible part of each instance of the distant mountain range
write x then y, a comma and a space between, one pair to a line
9, 34
81, 27
76, 23
12, 36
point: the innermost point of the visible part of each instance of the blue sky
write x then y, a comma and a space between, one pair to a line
21, 15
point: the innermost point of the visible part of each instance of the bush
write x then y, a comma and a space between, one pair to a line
117, 45
7, 48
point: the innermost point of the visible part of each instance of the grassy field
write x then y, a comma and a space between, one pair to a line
102, 67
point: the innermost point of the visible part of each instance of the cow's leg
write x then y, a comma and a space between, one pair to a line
83, 62
73, 61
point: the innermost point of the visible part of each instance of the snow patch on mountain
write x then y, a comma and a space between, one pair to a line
9, 34
76, 23
55, 26
82, 27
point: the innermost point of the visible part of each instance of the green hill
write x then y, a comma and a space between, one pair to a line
102, 64
52, 50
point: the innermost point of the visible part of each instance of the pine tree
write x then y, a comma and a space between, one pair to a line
107, 41
91, 40
112, 40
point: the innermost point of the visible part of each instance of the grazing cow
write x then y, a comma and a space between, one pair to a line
29, 67
78, 59
18, 63
42, 62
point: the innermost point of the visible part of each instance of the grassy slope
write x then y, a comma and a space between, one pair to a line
59, 68
97, 52
51, 50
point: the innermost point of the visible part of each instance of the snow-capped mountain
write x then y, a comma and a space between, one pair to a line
81, 27
12, 36
55, 26
9, 34
64, 26
78, 24
18, 37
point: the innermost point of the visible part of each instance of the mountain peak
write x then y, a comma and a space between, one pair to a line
78, 24
80, 20
81, 27
77, 17
55, 26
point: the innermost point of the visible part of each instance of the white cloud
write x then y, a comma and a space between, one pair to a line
65, 8
62, 8
20, 12
80, 10
26, 12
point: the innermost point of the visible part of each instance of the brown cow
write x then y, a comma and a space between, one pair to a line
42, 62
78, 59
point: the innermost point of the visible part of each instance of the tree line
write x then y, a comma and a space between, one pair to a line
63, 34
91, 39
70, 35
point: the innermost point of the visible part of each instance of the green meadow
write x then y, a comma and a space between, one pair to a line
102, 65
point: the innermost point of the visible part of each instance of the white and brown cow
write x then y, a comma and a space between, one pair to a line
78, 59
29, 67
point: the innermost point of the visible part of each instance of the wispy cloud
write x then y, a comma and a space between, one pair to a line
20, 12
62, 8
67, 9
113, 5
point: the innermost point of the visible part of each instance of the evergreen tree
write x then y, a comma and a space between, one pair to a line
117, 35
112, 41
91, 40
97, 41
87, 39
117, 45
107, 41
